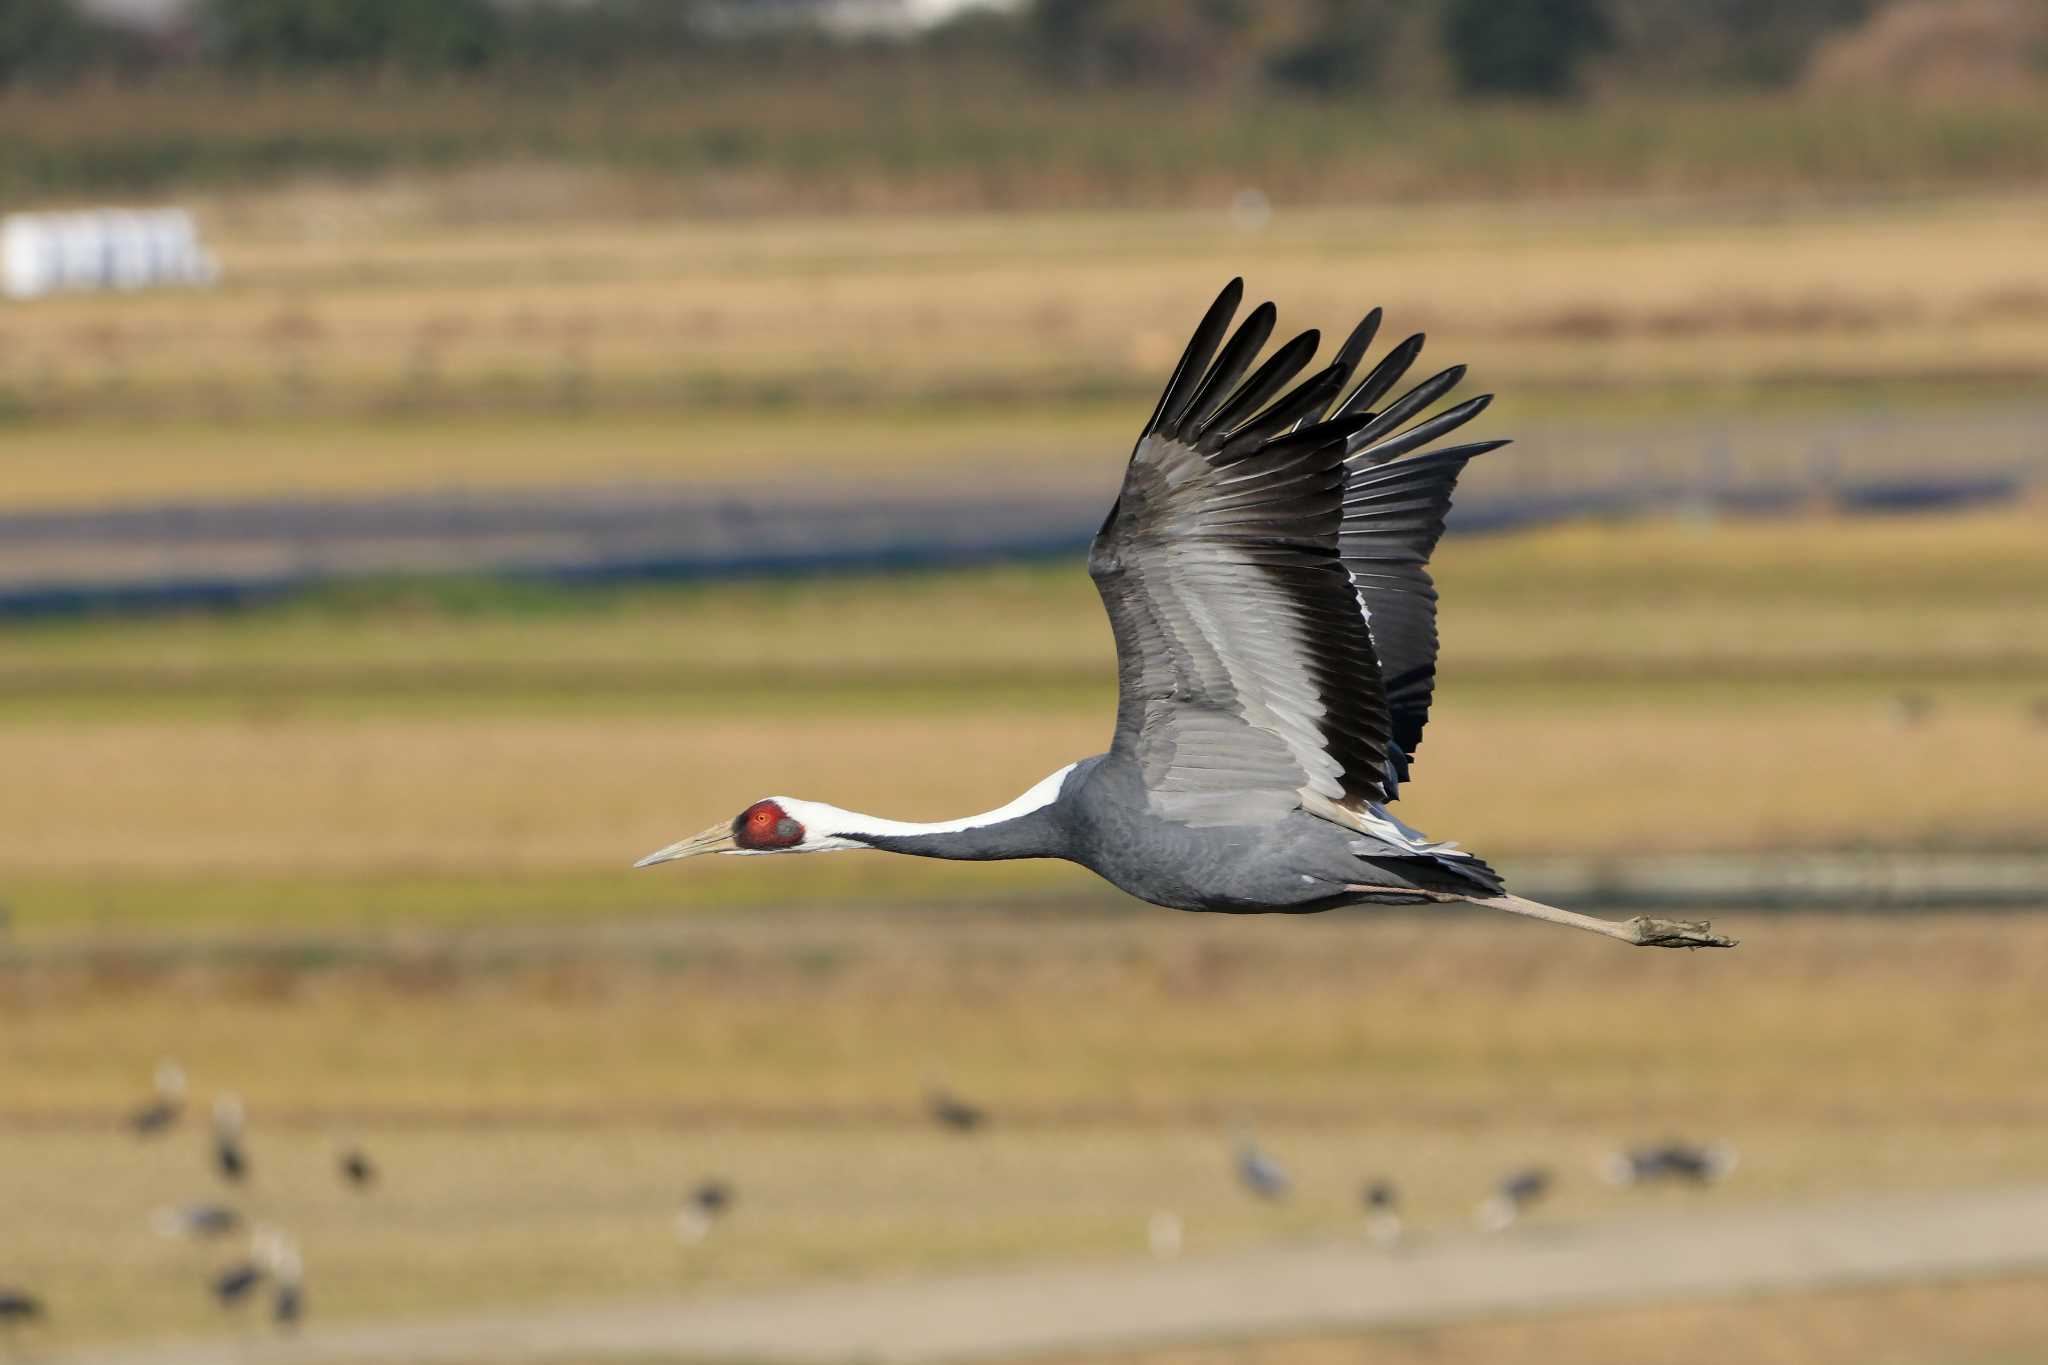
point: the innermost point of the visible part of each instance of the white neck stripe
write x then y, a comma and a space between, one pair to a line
825, 826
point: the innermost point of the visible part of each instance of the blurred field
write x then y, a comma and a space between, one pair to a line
459, 750
348, 354
1997, 1323
863, 130
538, 1112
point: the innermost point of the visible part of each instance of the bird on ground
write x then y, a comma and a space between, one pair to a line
1512, 1197
163, 1111
196, 1222
706, 1204
950, 1111
229, 1158
357, 1170
1263, 569
1679, 1161
1382, 1211
1258, 1172
235, 1283
18, 1306
288, 1302
269, 1255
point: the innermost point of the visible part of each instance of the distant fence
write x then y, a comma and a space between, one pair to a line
49, 253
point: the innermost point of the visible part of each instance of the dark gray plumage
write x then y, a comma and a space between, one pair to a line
196, 1222
230, 1158
950, 1111
234, 1284
357, 1170
18, 1305
1684, 1162
1512, 1195
1264, 572
160, 1113
1260, 1173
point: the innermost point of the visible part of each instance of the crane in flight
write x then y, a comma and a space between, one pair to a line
1265, 573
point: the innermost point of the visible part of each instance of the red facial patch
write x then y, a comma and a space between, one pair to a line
765, 825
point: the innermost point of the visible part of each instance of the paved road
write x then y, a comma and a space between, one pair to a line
1330, 1286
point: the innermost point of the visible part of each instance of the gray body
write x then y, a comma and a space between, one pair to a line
1296, 862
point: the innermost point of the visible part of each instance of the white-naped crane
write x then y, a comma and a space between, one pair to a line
710, 1201
162, 1111
195, 1222
1259, 1173
948, 1110
358, 1172
1512, 1195
230, 1158
1689, 1163
1264, 573
288, 1299
1382, 1204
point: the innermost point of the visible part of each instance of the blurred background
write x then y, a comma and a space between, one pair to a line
448, 450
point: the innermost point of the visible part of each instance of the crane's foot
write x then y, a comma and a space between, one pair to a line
1646, 932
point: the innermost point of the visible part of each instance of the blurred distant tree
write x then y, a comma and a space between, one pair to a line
427, 35
41, 38
603, 34
1522, 47
1727, 42
1142, 40
1341, 51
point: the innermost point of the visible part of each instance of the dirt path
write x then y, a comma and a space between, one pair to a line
1321, 1287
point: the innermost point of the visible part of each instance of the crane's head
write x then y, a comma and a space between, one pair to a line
774, 824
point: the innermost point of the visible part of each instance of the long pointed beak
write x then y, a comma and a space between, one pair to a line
717, 839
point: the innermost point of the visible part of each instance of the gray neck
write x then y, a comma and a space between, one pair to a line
1035, 835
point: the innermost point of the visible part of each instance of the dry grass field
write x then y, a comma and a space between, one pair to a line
538, 1110
1994, 1323
349, 354
458, 751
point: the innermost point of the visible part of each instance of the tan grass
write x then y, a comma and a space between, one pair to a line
755, 341
537, 1114
1947, 1324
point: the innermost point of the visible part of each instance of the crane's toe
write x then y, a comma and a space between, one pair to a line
1647, 932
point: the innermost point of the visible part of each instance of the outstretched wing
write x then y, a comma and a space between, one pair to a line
1249, 682
1393, 518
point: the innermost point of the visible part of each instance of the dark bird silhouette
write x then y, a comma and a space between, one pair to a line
1512, 1197
1685, 1162
357, 1170
1382, 1211
1263, 570
163, 1111
288, 1303
1259, 1173
705, 1206
229, 1156
235, 1284
196, 1222
18, 1306
950, 1111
